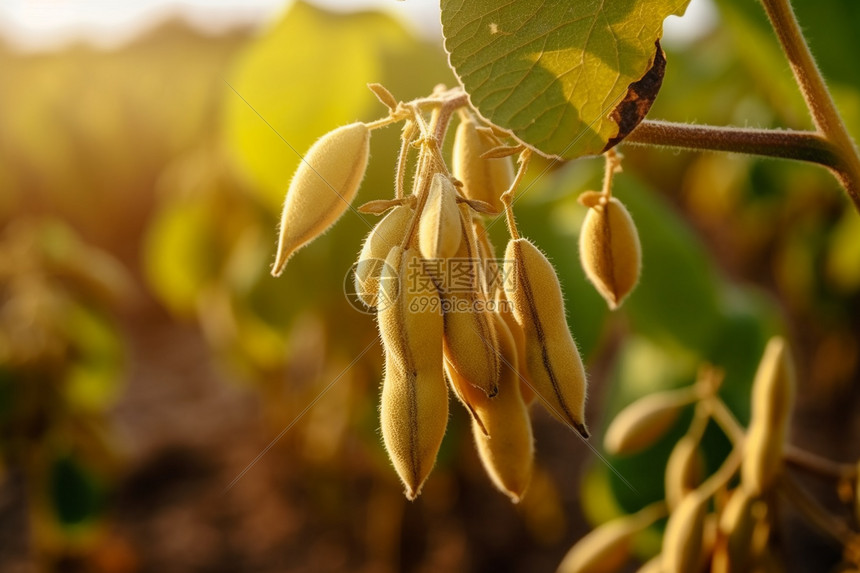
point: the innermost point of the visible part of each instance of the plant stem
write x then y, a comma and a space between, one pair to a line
818, 100
613, 166
725, 472
447, 110
816, 514
812, 463
430, 159
406, 142
507, 196
726, 420
785, 144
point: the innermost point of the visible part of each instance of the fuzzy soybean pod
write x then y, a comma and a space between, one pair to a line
386, 234
684, 535
483, 179
609, 247
491, 273
646, 420
504, 309
552, 359
414, 404
322, 188
772, 400
493, 287
471, 344
501, 425
683, 470
736, 532
608, 547
439, 231
504, 439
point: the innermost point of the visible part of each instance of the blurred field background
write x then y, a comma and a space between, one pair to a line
147, 357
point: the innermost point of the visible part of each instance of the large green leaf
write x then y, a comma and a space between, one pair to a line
554, 72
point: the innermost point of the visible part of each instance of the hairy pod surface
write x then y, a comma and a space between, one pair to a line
503, 306
552, 359
607, 548
682, 540
646, 420
506, 447
386, 234
772, 400
439, 232
737, 526
491, 273
471, 344
414, 416
683, 470
494, 288
410, 318
469, 396
609, 250
414, 404
322, 188
762, 459
483, 179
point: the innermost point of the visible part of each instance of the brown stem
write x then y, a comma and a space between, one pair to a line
779, 143
612, 166
430, 158
812, 463
816, 514
824, 113
448, 108
421, 188
814, 90
785, 144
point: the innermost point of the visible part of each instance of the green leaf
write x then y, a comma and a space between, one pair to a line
76, 495
554, 72
180, 255
93, 375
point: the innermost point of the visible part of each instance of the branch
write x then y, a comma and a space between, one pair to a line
809, 146
785, 144
815, 93
816, 514
812, 463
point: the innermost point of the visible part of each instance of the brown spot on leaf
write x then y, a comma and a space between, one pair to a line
640, 95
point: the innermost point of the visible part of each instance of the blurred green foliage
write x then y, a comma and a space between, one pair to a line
168, 155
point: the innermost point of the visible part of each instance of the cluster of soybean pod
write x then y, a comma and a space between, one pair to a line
497, 344
501, 345
723, 523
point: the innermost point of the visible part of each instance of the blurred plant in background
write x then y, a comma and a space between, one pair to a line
60, 371
152, 175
